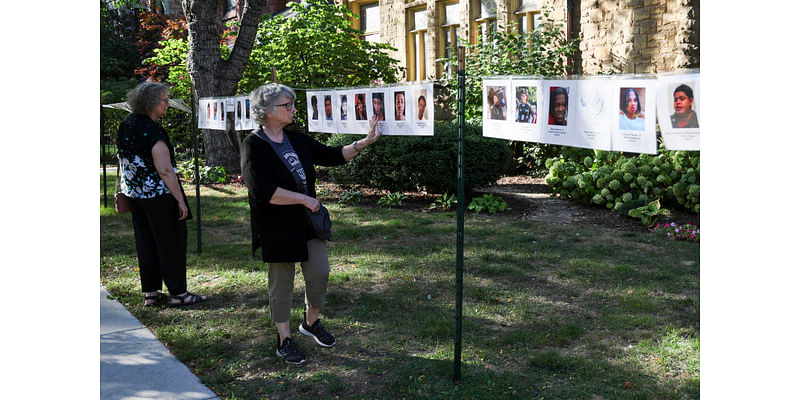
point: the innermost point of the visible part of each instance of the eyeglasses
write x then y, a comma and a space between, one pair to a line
289, 106
165, 100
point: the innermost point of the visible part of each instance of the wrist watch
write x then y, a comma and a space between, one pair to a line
355, 146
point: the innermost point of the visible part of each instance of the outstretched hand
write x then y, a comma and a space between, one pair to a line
373, 134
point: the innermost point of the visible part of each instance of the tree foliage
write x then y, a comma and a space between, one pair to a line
154, 32
542, 52
315, 47
118, 54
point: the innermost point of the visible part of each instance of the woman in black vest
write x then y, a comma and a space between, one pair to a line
278, 169
158, 205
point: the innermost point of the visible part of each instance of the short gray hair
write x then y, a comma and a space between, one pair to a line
264, 99
144, 98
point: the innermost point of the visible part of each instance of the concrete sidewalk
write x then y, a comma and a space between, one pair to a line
134, 364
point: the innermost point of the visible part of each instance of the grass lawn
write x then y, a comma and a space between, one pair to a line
550, 311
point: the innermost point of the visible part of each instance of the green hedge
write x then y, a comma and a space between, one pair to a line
614, 180
410, 163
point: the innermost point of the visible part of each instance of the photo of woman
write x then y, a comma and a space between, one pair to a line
361, 107
631, 114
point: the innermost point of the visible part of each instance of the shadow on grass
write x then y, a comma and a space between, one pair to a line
549, 311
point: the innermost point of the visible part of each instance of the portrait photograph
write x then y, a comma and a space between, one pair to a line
421, 104
496, 101
558, 107
525, 98
631, 109
682, 108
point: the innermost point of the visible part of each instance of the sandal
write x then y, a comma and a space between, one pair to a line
155, 299
186, 299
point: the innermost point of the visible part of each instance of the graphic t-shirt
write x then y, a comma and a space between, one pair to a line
287, 154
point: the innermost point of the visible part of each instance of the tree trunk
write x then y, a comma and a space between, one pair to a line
213, 76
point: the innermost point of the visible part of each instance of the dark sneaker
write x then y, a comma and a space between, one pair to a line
288, 352
316, 331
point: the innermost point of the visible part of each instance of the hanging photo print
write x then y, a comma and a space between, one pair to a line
422, 110
679, 110
360, 109
495, 109
204, 114
344, 111
634, 126
593, 129
398, 124
526, 104
377, 106
328, 121
239, 116
560, 100
313, 106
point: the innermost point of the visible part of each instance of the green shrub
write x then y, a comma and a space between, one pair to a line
445, 202
614, 180
411, 163
351, 197
650, 213
489, 203
394, 199
208, 174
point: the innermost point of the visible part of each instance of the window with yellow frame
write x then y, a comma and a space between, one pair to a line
450, 14
369, 19
485, 21
528, 16
415, 45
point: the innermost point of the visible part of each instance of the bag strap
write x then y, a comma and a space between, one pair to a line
260, 133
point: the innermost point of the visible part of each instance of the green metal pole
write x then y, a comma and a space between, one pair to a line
103, 143
460, 216
196, 174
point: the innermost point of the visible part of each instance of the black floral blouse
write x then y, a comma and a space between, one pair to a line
136, 137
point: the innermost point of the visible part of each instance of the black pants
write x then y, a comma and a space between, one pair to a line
160, 243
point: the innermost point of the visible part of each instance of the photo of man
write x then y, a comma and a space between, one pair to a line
683, 100
422, 105
559, 100
328, 108
496, 98
377, 106
526, 111
343, 102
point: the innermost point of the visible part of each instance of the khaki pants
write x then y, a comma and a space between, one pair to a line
281, 281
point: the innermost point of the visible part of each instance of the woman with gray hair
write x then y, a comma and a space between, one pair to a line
278, 169
158, 204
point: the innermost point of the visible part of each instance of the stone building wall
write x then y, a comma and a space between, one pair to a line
632, 36
639, 36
